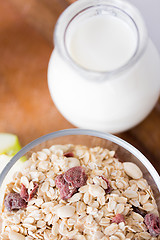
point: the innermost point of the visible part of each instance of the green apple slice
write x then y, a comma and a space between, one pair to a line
4, 159
9, 144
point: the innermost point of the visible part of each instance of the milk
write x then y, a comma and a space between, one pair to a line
123, 92
101, 43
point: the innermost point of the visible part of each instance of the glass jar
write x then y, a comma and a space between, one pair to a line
112, 100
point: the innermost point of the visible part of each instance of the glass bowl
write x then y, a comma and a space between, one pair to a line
124, 152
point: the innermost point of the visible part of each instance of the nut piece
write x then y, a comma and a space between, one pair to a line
132, 170
66, 211
16, 236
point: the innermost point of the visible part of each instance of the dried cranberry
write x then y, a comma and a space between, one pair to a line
66, 191
139, 211
33, 192
13, 201
153, 224
76, 177
60, 181
24, 193
68, 154
70, 181
118, 218
109, 188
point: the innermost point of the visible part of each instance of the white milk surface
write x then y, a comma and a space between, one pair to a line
101, 43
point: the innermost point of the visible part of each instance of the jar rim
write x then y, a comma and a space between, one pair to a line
82, 5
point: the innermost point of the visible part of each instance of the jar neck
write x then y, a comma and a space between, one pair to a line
83, 9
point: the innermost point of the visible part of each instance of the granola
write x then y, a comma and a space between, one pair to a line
72, 192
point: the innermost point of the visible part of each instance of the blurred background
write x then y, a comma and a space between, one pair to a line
26, 43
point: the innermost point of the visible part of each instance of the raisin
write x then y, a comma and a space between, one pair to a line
68, 154
153, 224
13, 201
139, 211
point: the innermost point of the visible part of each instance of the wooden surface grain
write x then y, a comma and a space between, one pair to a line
26, 108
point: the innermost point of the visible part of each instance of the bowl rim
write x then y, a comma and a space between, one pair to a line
76, 131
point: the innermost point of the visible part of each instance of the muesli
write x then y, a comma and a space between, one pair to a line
72, 192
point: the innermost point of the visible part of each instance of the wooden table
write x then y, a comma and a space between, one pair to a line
26, 108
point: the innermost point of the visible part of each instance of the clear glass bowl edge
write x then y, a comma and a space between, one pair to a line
93, 133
